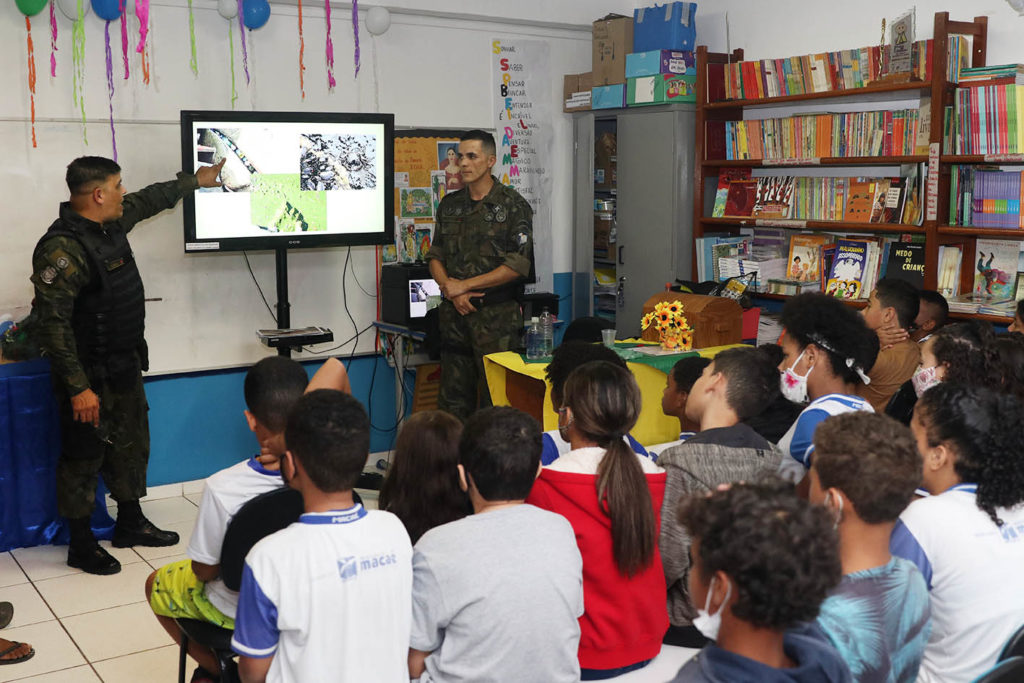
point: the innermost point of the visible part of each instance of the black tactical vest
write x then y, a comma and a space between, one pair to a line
110, 312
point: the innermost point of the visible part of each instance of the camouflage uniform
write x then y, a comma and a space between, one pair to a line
62, 272
473, 238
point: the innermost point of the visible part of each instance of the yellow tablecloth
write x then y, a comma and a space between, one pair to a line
652, 427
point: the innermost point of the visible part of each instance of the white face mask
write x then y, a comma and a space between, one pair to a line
794, 386
709, 624
924, 379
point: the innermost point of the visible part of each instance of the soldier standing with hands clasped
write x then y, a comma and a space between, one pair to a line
481, 256
88, 318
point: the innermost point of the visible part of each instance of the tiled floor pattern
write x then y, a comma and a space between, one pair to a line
87, 629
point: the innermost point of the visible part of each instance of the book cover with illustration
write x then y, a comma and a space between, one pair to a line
774, 197
740, 200
895, 195
858, 205
995, 268
878, 201
846, 281
805, 257
725, 177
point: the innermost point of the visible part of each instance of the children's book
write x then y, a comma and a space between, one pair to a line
725, 177
906, 262
741, 197
996, 268
774, 197
846, 281
950, 258
878, 201
858, 205
892, 212
805, 257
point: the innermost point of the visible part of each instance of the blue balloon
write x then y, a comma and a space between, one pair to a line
107, 9
255, 13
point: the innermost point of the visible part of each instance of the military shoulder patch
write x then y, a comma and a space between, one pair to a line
48, 275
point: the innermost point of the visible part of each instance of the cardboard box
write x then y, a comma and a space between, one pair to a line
613, 39
671, 26
574, 87
608, 96
605, 149
660, 89
660, 62
603, 223
605, 176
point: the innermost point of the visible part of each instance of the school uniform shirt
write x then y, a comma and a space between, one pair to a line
329, 597
624, 618
224, 494
973, 569
798, 442
554, 447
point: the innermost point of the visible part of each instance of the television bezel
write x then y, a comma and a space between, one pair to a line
194, 245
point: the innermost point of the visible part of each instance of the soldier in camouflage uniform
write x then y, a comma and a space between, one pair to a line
482, 253
88, 319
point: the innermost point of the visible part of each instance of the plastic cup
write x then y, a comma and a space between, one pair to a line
608, 338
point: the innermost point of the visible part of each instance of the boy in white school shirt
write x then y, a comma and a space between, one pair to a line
330, 596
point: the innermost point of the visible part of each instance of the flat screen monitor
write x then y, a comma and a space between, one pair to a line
423, 296
290, 180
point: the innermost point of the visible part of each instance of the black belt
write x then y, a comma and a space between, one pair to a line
497, 296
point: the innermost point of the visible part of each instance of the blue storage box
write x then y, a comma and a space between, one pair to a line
671, 26
608, 96
657, 62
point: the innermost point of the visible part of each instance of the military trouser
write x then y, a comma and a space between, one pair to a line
465, 340
118, 448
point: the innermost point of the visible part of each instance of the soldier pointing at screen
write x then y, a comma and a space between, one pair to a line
88, 318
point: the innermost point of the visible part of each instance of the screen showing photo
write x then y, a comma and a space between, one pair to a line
423, 296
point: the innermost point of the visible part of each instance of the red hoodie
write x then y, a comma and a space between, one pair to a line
624, 619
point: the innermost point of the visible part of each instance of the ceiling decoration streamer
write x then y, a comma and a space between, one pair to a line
194, 62
355, 30
124, 37
330, 48
142, 12
302, 52
110, 87
245, 51
31, 76
78, 64
53, 41
231, 49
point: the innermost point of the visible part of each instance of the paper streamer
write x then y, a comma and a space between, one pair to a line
355, 30
142, 12
78, 64
231, 48
31, 76
302, 51
145, 51
53, 41
110, 86
330, 48
245, 52
194, 63
124, 38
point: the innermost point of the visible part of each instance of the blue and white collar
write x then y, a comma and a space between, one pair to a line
347, 516
255, 465
969, 488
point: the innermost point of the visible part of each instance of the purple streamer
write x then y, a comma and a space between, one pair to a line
245, 52
355, 30
110, 88
53, 41
124, 38
330, 47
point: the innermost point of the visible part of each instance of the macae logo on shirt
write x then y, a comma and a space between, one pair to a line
1012, 533
349, 567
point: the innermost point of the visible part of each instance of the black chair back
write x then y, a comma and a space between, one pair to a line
263, 515
1008, 671
1014, 646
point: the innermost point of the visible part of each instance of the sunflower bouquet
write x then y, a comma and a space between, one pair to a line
673, 329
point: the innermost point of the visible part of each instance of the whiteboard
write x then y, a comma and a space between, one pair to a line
207, 308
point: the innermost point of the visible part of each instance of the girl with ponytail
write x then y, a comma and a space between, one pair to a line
612, 497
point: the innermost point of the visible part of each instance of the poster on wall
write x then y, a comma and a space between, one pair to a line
523, 133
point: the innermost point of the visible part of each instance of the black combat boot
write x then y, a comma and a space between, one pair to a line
133, 528
85, 553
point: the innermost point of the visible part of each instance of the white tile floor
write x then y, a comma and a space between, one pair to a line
87, 629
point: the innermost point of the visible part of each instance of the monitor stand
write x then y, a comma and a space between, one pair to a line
286, 342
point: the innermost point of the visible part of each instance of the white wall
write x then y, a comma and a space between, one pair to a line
430, 70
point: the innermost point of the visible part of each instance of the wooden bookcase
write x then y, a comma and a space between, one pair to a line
712, 109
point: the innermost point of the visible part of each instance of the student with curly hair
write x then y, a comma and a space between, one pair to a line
893, 304
865, 471
967, 537
763, 561
828, 352
422, 487
612, 497
1010, 350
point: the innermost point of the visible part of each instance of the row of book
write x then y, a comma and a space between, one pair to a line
852, 200
985, 197
900, 132
996, 277
987, 119
813, 73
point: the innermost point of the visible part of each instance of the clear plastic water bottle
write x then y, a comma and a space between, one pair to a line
533, 340
547, 333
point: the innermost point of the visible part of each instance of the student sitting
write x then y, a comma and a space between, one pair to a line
865, 470
612, 498
192, 588
777, 413
566, 358
893, 303
966, 537
725, 450
332, 593
932, 314
828, 350
678, 383
763, 561
422, 485
497, 595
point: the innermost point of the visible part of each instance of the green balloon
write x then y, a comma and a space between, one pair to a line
30, 8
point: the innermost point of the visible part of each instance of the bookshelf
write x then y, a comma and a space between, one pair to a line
713, 111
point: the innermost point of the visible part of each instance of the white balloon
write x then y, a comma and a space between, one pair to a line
228, 8
69, 8
378, 20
